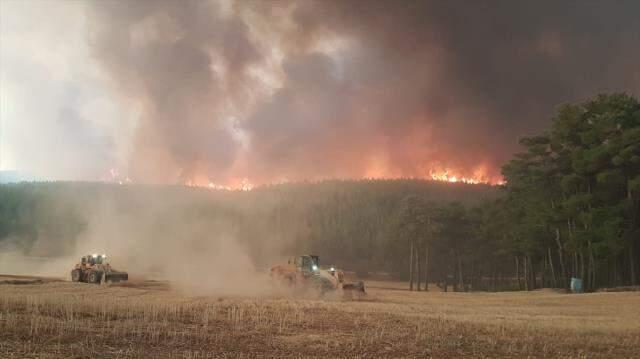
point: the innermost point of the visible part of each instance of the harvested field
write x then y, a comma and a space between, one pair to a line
52, 319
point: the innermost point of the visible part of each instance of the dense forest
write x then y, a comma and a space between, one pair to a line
572, 204
570, 207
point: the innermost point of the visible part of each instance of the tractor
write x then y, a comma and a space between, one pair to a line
95, 269
305, 272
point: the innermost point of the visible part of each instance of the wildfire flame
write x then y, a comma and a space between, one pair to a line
243, 184
240, 185
479, 175
482, 173
446, 177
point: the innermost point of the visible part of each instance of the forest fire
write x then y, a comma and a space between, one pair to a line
253, 166
242, 184
476, 178
446, 177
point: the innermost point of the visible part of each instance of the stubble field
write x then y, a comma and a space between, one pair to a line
145, 319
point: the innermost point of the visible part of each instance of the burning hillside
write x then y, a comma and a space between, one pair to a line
244, 184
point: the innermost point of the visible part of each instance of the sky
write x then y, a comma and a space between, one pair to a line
229, 92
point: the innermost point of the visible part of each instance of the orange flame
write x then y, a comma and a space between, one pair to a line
243, 184
446, 177
481, 174
238, 185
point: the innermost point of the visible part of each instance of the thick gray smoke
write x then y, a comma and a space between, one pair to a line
374, 88
182, 64
224, 90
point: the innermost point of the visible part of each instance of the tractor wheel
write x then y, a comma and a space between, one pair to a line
75, 275
95, 277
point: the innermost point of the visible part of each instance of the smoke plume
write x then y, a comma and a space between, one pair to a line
219, 91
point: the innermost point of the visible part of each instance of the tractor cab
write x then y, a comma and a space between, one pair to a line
93, 259
308, 264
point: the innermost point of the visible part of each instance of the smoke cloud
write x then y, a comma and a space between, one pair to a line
218, 91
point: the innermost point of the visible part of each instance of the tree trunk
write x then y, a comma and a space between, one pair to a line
561, 256
411, 266
632, 265
446, 281
426, 266
477, 277
526, 274
592, 268
543, 272
532, 273
472, 276
575, 264
553, 272
460, 275
455, 270
582, 272
493, 279
518, 273
419, 267
616, 275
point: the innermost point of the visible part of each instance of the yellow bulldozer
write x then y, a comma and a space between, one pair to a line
305, 272
94, 268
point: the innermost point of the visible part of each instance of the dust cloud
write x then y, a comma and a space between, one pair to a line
160, 235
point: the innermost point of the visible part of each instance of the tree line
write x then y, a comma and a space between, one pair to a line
570, 208
350, 223
573, 195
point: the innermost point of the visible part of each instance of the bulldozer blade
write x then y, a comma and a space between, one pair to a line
116, 277
358, 287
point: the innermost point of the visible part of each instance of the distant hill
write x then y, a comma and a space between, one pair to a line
15, 177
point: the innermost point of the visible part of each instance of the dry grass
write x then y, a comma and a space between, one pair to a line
61, 319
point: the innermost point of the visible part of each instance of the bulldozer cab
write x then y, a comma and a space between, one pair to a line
94, 259
307, 263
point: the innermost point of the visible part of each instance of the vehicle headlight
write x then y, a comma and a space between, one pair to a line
332, 269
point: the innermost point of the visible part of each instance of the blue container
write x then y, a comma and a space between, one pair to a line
576, 285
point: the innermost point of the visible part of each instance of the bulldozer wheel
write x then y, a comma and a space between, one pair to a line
75, 275
95, 277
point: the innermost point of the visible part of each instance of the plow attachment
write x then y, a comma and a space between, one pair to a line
356, 287
116, 277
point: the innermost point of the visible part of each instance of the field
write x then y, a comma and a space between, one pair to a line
54, 319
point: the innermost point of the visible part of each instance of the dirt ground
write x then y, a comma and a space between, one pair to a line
147, 319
